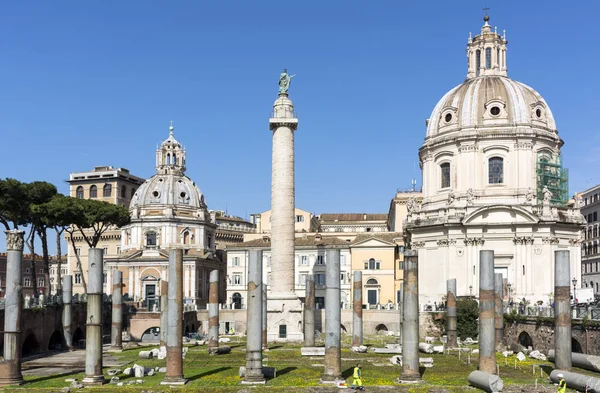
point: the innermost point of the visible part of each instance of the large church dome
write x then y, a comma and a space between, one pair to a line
490, 101
168, 190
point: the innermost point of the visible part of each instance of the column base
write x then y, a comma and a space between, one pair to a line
326, 380
254, 381
7, 381
405, 380
174, 381
95, 380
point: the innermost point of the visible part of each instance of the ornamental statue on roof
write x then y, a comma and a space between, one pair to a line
284, 81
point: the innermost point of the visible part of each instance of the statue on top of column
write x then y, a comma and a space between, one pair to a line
284, 81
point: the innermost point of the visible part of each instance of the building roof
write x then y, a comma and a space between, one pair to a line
390, 237
308, 241
353, 217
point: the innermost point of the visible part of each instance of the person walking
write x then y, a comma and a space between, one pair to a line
357, 379
562, 384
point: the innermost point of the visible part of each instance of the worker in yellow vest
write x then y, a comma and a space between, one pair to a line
562, 384
357, 382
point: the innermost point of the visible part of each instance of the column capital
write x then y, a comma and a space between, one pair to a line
289, 122
14, 240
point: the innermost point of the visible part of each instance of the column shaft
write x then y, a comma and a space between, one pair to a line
499, 308
67, 316
174, 375
213, 311
93, 335
562, 311
164, 315
333, 361
254, 314
117, 310
451, 313
357, 314
487, 320
265, 342
10, 369
410, 327
309, 312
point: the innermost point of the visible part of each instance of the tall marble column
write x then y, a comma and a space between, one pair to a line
164, 315
487, 320
357, 315
410, 325
93, 333
10, 369
451, 313
254, 372
333, 316
174, 374
562, 311
117, 311
283, 300
213, 311
499, 309
67, 316
309, 312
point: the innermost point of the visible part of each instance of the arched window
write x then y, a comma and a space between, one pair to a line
186, 237
168, 159
477, 62
123, 192
445, 174
498, 57
372, 281
93, 192
107, 190
496, 170
79, 192
175, 159
488, 58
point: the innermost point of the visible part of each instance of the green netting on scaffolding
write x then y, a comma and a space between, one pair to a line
550, 173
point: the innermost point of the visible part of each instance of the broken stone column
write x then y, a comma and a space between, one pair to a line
10, 369
499, 309
451, 313
401, 313
164, 315
67, 316
333, 343
265, 342
410, 327
309, 312
93, 333
254, 374
174, 374
562, 311
117, 311
487, 319
213, 311
357, 315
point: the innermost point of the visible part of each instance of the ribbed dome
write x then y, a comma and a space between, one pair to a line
490, 101
173, 190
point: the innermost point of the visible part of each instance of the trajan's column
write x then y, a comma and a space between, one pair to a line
284, 307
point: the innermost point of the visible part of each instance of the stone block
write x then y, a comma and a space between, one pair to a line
114, 380
359, 349
146, 355
312, 351
392, 350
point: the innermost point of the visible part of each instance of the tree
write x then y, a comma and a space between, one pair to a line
13, 203
37, 193
467, 312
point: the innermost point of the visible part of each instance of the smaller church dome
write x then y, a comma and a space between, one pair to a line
173, 190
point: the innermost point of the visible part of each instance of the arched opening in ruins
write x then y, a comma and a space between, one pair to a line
151, 335
575, 346
78, 336
381, 328
31, 346
525, 340
56, 342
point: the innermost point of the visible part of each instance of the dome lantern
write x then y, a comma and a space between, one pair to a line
486, 52
170, 156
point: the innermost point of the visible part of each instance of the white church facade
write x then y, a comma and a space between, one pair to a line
492, 180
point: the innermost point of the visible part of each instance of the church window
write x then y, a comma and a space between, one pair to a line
477, 62
488, 58
79, 192
107, 190
372, 281
93, 192
495, 111
496, 170
175, 159
445, 170
168, 159
186, 237
448, 117
151, 239
498, 56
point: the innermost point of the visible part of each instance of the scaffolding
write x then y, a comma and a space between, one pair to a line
551, 174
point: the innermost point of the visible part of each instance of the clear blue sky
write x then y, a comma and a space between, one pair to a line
87, 83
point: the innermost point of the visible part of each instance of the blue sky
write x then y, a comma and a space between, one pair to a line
96, 83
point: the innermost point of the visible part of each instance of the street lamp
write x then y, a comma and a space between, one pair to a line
470, 290
574, 281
